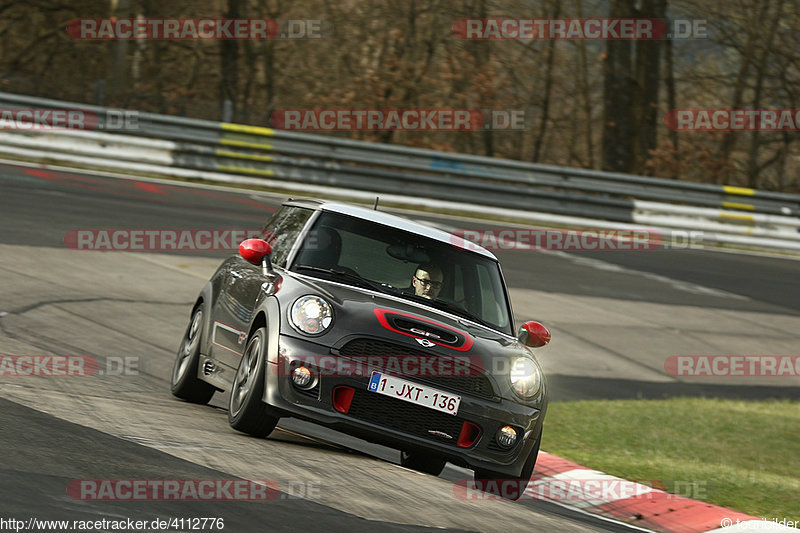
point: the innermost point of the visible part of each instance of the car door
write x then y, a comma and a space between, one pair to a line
241, 289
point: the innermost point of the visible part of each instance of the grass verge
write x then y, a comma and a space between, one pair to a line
741, 455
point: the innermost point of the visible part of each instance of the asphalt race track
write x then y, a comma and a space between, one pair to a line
615, 317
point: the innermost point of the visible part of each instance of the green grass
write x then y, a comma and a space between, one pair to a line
739, 454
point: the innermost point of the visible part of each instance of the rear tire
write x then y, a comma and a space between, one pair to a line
246, 410
508, 487
184, 383
430, 464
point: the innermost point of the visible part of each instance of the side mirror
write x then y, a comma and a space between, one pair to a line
533, 334
257, 252
254, 250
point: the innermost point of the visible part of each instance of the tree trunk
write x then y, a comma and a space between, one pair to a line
119, 54
583, 83
671, 101
753, 169
617, 96
648, 77
229, 64
753, 34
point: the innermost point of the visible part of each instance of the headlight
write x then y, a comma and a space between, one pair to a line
526, 378
311, 314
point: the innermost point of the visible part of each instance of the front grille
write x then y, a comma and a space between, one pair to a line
474, 385
405, 417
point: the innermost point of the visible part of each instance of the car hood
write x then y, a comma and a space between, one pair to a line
362, 313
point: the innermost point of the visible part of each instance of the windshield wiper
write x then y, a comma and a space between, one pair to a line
458, 310
364, 282
444, 305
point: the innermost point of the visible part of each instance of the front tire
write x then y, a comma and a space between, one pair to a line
246, 411
184, 383
508, 487
423, 463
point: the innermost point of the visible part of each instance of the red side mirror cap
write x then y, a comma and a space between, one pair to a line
533, 334
254, 250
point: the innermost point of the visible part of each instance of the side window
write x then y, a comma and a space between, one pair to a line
490, 311
283, 229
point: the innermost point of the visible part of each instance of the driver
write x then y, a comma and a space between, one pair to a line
427, 280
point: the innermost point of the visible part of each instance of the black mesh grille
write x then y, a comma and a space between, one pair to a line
404, 416
473, 385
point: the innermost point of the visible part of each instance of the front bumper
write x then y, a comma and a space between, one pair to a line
400, 424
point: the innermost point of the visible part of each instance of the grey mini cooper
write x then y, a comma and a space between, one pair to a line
375, 326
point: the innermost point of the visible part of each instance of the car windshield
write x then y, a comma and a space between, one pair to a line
358, 252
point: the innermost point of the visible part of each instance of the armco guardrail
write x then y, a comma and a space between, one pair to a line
177, 146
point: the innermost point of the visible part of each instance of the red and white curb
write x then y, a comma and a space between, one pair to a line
570, 484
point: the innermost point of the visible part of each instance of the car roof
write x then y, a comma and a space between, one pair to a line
386, 219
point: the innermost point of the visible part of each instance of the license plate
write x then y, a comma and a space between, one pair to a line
414, 393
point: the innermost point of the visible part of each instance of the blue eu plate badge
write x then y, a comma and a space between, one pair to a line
374, 380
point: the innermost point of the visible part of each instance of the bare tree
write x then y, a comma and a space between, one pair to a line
617, 95
587, 103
